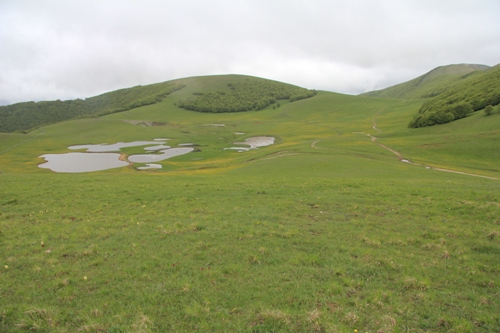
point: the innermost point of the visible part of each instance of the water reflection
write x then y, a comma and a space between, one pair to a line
254, 142
98, 157
150, 166
82, 162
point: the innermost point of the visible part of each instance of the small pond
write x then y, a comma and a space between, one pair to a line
150, 166
82, 162
253, 143
100, 157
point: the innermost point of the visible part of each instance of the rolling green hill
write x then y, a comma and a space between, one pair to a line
458, 101
350, 221
430, 84
452, 92
243, 93
29, 115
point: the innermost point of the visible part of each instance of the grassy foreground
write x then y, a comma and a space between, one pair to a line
235, 253
323, 232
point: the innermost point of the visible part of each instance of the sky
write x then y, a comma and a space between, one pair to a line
60, 49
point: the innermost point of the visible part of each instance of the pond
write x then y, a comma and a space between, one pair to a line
82, 162
150, 166
254, 142
100, 157
104, 156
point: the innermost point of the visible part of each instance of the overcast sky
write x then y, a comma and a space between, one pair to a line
75, 49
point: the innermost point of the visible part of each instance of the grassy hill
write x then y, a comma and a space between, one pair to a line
469, 95
243, 93
327, 230
29, 115
453, 92
430, 84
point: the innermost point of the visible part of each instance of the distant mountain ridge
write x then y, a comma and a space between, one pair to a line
430, 84
451, 92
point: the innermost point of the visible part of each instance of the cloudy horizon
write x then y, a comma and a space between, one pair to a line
76, 49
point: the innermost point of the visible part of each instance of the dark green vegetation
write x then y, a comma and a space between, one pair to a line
473, 94
325, 231
28, 115
453, 92
245, 95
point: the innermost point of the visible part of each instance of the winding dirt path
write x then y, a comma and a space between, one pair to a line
313, 144
402, 159
374, 140
17, 145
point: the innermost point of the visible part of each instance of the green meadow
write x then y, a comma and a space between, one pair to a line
326, 230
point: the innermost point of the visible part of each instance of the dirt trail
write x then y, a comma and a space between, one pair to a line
375, 122
313, 144
402, 159
339, 133
374, 140
17, 145
462, 173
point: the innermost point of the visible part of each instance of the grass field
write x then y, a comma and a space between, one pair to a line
325, 231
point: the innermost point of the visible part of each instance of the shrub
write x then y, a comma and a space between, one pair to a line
488, 110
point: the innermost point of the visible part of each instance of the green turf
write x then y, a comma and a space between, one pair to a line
432, 83
324, 231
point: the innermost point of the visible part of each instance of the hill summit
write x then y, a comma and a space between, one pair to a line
216, 93
430, 84
475, 92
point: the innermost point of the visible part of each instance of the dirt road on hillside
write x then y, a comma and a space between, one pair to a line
402, 159
33, 138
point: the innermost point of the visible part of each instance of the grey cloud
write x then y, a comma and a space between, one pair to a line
70, 49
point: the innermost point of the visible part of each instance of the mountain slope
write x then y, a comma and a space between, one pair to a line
430, 84
223, 93
470, 94
28, 115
